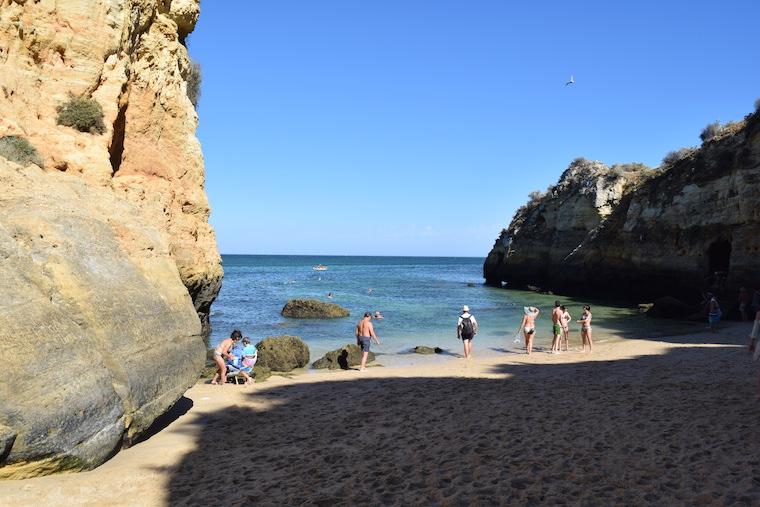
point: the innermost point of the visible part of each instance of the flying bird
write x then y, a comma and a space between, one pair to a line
572, 81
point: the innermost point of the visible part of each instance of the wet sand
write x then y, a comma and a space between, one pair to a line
639, 422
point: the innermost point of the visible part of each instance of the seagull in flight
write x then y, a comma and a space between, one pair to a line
572, 81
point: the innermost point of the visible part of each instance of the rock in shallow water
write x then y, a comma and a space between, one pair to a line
344, 358
313, 309
423, 349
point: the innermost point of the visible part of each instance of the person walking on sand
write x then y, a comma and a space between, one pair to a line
586, 329
220, 352
566, 318
365, 335
528, 326
714, 312
467, 328
556, 327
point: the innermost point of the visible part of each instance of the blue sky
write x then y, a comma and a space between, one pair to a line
419, 127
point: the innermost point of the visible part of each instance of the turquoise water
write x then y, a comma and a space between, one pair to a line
420, 298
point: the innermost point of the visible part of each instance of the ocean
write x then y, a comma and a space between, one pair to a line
420, 299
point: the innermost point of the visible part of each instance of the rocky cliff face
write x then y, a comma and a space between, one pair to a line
129, 56
106, 256
629, 231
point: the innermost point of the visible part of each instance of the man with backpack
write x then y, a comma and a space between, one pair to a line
467, 328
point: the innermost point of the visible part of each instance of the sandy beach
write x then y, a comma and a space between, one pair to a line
640, 422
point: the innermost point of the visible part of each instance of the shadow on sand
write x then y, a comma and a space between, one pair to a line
660, 430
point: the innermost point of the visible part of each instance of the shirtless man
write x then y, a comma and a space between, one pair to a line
556, 327
365, 335
528, 326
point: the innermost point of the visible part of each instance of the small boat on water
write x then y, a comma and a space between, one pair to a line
319, 267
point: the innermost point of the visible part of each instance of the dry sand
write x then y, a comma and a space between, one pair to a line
670, 421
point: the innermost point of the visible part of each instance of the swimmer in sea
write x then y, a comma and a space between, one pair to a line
528, 326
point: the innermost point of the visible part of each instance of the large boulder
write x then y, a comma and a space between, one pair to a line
282, 353
313, 309
344, 358
99, 335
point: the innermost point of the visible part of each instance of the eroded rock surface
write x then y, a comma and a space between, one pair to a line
313, 309
692, 225
282, 353
99, 335
108, 260
343, 358
129, 56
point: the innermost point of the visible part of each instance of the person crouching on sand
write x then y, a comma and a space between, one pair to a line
467, 328
220, 352
365, 335
585, 323
528, 326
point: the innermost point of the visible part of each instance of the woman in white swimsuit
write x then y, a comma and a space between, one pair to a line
566, 318
528, 326
586, 329
220, 352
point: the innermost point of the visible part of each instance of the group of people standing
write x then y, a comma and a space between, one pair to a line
560, 328
467, 328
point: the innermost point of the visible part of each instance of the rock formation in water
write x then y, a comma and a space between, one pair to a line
629, 231
107, 256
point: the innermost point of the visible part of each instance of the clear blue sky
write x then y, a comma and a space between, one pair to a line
419, 127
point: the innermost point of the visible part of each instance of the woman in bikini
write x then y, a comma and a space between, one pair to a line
528, 326
220, 352
566, 318
586, 329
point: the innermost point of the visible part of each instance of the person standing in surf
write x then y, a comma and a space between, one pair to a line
528, 326
556, 327
365, 335
467, 328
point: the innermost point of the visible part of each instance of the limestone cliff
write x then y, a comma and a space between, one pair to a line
129, 56
106, 256
690, 225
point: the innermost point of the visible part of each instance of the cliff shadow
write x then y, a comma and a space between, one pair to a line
661, 430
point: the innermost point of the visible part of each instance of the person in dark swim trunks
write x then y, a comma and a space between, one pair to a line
556, 327
365, 335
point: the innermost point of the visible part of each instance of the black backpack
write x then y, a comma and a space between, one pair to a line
468, 331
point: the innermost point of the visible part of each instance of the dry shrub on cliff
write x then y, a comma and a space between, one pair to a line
83, 114
711, 131
19, 150
676, 156
194, 83
535, 196
757, 105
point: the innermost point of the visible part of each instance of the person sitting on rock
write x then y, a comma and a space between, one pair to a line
250, 355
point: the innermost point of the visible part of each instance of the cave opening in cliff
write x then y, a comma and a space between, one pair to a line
719, 257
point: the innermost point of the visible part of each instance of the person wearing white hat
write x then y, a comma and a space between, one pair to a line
528, 326
467, 328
